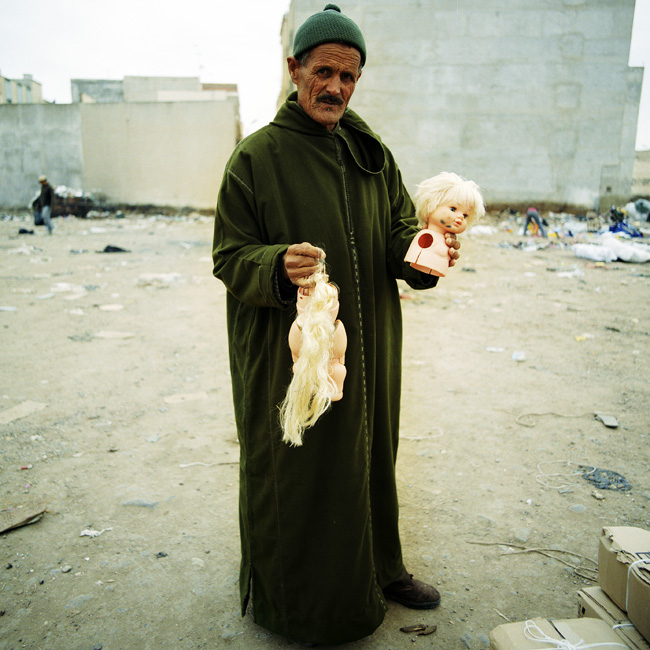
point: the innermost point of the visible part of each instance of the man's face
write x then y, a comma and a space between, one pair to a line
326, 81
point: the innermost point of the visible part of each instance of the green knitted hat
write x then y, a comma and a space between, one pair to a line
328, 26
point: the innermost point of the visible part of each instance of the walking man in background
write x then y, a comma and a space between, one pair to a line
43, 205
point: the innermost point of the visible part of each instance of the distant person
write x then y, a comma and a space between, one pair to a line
43, 205
532, 216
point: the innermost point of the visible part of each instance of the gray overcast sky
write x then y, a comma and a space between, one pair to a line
222, 42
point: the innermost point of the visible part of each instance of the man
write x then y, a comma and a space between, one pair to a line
532, 216
319, 523
43, 205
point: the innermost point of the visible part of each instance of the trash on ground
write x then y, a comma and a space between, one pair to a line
107, 334
605, 479
113, 249
89, 532
20, 516
608, 420
612, 248
422, 629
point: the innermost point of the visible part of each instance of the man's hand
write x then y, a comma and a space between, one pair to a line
453, 245
300, 262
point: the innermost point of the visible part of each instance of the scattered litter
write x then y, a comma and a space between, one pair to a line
113, 307
531, 423
516, 549
422, 629
17, 516
83, 338
599, 496
25, 231
482, 230
108, 334
161, 554
519, 356
594, 252
608, 420
184, 465
179, 398
493, 349
611, 248
605, 479
574, 273
563, 479
158, 279
6, 308
87, 532
24, 250
45, 296
140, 503
583, 337
20, 411
113, 249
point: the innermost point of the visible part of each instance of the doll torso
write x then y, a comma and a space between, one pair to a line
429, 253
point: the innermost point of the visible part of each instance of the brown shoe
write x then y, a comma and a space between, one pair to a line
412, 593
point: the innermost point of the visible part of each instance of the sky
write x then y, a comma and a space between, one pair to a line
220, 42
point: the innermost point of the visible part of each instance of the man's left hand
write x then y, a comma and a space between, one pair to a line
453, 245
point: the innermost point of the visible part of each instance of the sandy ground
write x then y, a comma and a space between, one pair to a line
119, 364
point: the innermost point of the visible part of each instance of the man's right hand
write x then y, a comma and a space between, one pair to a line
300, 262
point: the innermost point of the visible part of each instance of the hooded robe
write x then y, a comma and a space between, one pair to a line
318, 523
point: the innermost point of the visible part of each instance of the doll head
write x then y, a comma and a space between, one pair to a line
440, 199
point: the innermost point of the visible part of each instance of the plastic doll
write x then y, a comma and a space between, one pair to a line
444, 203
318, 342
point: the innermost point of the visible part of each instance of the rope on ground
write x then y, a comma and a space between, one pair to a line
583, 572
546, 478
519, 419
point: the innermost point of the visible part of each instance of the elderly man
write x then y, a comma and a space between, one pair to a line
319, 523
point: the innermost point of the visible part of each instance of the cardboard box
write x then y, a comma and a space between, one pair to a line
638, 609
593, 602
628, 586
512, 636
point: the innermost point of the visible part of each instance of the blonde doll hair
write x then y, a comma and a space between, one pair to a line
447, 188
311, 389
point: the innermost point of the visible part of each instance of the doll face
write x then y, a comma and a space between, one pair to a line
452, 218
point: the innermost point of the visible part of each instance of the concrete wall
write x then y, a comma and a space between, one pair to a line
157, 153
105, 91
641, 184
534, 101
38, 139
146, 89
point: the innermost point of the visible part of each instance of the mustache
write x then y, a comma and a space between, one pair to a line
330, 99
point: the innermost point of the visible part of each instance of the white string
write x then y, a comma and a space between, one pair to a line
629, 571
565, 477
533, 633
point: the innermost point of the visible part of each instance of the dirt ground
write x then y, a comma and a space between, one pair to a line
116, 412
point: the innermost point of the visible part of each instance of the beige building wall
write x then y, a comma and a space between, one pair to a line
20, 91
166, 154
641, 182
